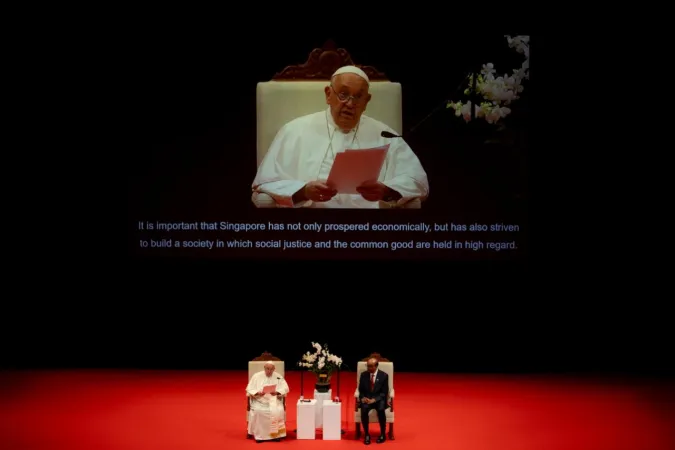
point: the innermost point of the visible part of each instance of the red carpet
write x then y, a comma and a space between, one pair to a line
101, 410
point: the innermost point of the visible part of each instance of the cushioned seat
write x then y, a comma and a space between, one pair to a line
256, 365
387, 367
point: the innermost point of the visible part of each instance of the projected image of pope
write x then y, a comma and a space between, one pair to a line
295, 169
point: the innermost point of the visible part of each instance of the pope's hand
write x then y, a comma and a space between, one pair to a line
318, 191
372, 190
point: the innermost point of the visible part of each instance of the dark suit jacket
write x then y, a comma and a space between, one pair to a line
381, 389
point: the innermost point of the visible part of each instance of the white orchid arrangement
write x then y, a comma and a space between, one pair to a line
497, 92
321, 361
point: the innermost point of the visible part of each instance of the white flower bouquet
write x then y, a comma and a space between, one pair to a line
321, 362
496, 93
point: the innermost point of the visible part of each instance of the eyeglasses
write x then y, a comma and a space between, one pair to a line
344, 98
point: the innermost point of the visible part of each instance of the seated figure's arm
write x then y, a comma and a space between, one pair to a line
282, 387
358, 395
273, 177
287, 193
405, 174
361, 390
251, 388
383, 395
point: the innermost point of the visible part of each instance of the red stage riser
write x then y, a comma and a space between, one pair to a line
147, 410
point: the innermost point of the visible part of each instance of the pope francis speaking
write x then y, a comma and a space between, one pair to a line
295, 169
267, 418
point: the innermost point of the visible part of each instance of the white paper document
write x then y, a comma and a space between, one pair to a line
354, 167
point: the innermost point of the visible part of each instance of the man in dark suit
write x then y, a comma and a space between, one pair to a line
373, 394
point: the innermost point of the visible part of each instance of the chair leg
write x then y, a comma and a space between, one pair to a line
391, 431
358, 430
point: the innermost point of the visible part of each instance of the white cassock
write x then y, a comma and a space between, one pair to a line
267, 417
304, 150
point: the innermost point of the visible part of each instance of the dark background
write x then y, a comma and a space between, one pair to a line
485, 348
215, 317
195, 157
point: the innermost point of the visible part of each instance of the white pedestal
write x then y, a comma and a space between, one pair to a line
332, 420
320, 397
306, 419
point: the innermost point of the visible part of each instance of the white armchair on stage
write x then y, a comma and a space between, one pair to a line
256, 365
299, 90
385, 366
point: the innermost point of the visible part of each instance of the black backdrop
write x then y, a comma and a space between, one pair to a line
166, 322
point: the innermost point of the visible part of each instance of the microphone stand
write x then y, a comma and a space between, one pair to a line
476, 66
302, 390
338, 398
442, 105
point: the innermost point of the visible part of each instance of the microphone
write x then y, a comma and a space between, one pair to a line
278, 379
387, 134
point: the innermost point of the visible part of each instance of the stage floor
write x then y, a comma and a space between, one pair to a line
148, 410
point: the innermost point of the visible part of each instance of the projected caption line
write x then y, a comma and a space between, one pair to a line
448, 242
283, 244
422, 227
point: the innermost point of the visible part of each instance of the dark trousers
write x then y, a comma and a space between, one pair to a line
380, 407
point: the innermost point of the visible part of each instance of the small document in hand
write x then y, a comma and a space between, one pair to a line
268, 389
354, 167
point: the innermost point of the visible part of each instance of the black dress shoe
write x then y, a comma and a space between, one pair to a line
366, 440
380, 439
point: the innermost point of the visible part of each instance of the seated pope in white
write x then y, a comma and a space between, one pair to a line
267, 417
296, 167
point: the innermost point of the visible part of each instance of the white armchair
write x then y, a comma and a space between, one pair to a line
256, 365
298, 90
385, 366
